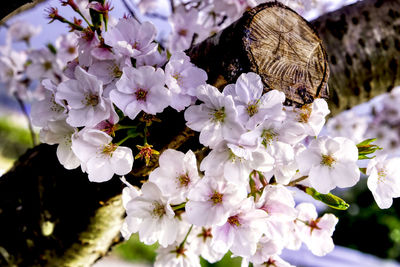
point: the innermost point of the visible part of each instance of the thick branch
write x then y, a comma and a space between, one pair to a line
363, 44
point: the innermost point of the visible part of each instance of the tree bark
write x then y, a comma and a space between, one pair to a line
53, 217
363, 44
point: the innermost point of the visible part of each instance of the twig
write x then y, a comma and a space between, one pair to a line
172, 6
294, 182
25, 112
131, 11
156, 16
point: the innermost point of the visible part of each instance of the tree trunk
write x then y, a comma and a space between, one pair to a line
363, 44
54, 217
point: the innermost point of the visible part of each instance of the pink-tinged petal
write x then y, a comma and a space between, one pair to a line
146, 33
249, 87
197, 117
321, 179
67, 157
99, 170
122, 160
345, 174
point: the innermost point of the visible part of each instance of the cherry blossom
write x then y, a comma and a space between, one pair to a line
177, 174
85, 101
216, 119
141, 89
211, 201
99, 157
330, 162
129, 38
182, 79
253, 106
384, 180
241, 231
59, 132
315, 232
157, 219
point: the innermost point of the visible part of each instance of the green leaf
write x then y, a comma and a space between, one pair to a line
366, 147
329, 199
52, 49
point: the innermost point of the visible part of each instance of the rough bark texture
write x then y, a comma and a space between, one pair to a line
363, 44
51, 216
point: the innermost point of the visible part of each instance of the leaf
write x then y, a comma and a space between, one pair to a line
366, 147
329, 199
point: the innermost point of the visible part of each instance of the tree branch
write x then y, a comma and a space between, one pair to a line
363, 44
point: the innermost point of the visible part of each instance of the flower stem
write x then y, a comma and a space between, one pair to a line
177, 207
294, 182
25, 112
184, 240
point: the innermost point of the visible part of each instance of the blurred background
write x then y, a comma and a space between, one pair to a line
365, 234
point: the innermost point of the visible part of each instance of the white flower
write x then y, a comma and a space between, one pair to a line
84, 97
67, 47
99, 157
348, 124
176, 255
254, 107
44, 64
176, 175
235, 163
184, 25
211, 201
330, 162
278, 203
157, 219
182, 79
22, 31
315, 232
273, 261
200, 239
241, 231
141, 89
48, 109
216, 119
129, 38
59, 132
131, 224
384, 180
311, 116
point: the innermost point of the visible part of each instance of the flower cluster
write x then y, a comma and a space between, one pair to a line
108, 80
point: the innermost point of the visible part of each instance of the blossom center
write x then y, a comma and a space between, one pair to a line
267, 135
178, 78
141, 94
158, 210
184, 180
327, 160
47, 65
305, 113
109, 149
71, 50
205, 233
182, 32
91, 100
382, 175
234, 221
219, 115
116, 72
135, 45
252, 108
216, 198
